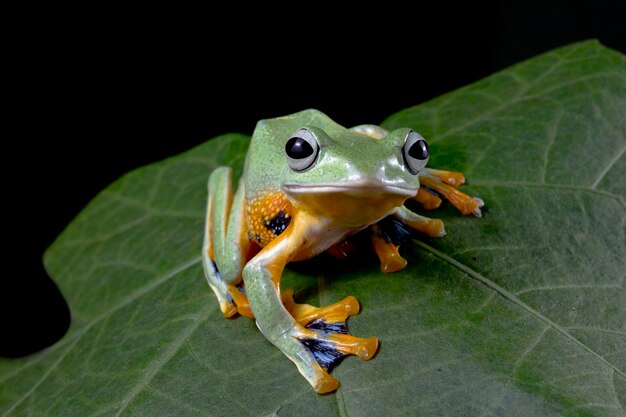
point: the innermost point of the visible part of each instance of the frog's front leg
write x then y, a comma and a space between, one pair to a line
313, 348
444, 183
226, 246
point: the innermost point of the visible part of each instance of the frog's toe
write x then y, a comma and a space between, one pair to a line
390, 258
334, 313
239, 301
452, 178
428, 200
405, 220
325, 384
228, 308
429, 227
472, 206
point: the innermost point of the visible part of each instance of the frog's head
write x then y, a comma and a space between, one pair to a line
349, 175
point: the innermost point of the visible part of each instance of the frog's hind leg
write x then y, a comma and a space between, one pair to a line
387, 236
225, 243
389, 233
443, 183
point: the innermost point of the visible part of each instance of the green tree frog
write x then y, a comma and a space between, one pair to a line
308, 185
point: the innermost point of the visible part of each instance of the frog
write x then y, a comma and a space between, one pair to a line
309, 185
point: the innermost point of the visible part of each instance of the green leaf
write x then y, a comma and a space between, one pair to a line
520, 313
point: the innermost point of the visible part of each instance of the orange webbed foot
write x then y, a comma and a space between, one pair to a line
443, 183
325, 335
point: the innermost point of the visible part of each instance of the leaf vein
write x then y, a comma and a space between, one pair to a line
529, 349
608, 168
110, 235
596, 329
553, 132
619, 400
514, 299
31, 391
566, 287
152, 371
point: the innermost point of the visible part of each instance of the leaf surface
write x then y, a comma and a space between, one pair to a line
522, 312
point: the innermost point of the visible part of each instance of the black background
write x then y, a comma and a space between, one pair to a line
106, 91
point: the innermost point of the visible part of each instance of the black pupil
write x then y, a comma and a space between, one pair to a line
419, 150
298, 148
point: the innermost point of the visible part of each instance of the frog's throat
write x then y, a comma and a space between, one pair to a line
348, 205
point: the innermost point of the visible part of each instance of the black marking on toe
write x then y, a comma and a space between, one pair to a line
278, 223
323, 327
394, 230
324, 352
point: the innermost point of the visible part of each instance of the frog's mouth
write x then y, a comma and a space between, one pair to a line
361, 188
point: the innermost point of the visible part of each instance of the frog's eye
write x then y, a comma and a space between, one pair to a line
302, 149
415, 152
